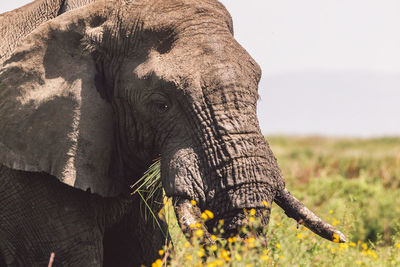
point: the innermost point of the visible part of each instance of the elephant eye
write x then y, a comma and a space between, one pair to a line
161, 107
160, 103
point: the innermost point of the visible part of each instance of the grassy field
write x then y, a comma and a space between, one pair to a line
352, 183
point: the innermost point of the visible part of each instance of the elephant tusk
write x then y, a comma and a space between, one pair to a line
189, 219
296, 210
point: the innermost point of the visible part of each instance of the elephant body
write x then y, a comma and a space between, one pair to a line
40, 215
90, 96
31, 229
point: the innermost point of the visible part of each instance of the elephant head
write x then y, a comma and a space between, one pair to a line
94, 95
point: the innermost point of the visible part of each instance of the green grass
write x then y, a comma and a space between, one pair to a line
352, 183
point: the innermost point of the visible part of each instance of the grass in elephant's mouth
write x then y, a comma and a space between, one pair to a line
149, 189
354, 184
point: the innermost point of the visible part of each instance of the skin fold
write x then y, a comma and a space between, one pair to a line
97, 91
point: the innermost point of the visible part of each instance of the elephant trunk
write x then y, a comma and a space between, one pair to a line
295, 209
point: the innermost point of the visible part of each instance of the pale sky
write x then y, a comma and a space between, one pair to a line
292, 35
330, 67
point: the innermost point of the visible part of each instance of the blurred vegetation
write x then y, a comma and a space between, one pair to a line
352, 183
358, 178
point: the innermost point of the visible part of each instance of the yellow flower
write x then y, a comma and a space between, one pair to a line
364, 246
251, 219
252, 212
265, 251
213, 247
281, 256
278, 224
398, 245
352, 244
358, 262
238, 257
336, 238
251, 240
200, 253
234, 239
265, 203
187, 245
335, 222
299, 235
161, 252
264, 257
213, 237
199, 233
249, 265
359, 242
343, 246
157, 263
333, 250
219, 262
372, 254
225, 255
189, 257
204, 216
193, 202
195, 225
211, 264
230, 240
209, 214
278, 245
331, 211
221, 222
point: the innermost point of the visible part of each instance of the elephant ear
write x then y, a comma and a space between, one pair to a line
53, 118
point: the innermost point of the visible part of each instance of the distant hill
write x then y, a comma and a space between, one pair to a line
330, 103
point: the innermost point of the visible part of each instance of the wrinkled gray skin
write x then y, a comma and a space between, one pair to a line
92, 96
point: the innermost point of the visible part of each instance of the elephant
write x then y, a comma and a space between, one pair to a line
91, 92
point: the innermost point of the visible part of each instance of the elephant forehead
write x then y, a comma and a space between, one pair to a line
177, 14
197, 46
195, 68
175, 69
